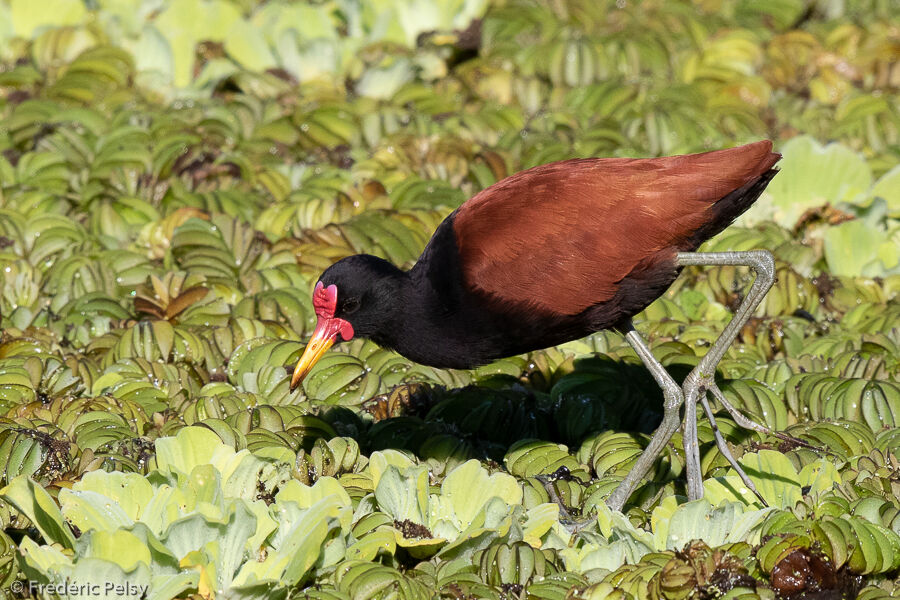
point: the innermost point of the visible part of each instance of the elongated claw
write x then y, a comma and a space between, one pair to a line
726, 452
573, 524
547, 482
743, 421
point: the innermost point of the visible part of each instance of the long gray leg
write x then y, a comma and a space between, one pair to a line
702, 378
673, 400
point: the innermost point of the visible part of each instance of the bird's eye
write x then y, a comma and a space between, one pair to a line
351, 306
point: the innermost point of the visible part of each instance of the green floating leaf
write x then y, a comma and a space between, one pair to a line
469, 486
812, 175
888, 187
36, 504
855, 249
675, 525
28, 16
190, 447
771, 472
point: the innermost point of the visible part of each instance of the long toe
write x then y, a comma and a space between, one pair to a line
547, 481
573, 524
576, 526
726, 451
747, 423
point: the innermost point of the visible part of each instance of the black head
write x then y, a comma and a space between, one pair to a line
368, 292
357, 296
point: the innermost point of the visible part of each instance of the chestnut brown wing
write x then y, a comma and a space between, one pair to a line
559, 237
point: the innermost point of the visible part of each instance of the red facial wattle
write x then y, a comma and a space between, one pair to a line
325, 305
328, 328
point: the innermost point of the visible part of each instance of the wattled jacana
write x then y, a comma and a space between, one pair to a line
553, 254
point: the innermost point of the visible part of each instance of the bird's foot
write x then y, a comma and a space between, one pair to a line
547, 481
743, 421
695, 389
572, 523
576, 526
726, 451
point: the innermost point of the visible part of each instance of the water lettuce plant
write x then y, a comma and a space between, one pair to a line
174, 176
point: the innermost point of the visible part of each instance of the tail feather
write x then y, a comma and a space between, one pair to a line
733, 205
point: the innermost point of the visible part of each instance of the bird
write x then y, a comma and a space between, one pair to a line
555, 253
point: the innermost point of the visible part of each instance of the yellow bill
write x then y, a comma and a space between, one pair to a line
317, 346
328, 328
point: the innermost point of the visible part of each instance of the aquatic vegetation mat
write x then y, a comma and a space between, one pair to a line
175, 176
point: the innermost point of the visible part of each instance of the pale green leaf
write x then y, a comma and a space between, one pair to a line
28, 16
811, 175
247, 45
820, 476
190, 447
89, 510
35, 503
468, 488
305, 496
538, 521
43, 559
130, 491
382, 459
698, 520
774, 476
404, 496
854, 249
116, 546
888, 187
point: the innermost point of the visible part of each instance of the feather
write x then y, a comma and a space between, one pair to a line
563, 237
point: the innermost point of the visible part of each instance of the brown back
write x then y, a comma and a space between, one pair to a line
559, 237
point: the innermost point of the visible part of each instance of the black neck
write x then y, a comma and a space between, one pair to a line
436, 321
432, 327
